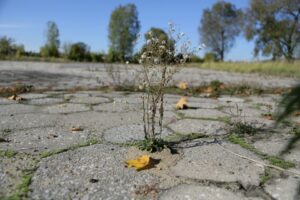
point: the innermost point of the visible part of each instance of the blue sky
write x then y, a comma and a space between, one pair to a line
87, 20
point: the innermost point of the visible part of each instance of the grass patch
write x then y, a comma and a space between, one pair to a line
273, 160
265, 177
152, 145
51, 153
22, 188
9, 153
278, 68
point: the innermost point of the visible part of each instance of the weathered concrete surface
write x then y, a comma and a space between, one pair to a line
208, 127
276, 143
282, 189
25, 121
129, 133
207, 163
37, 140
42, 123
204, 113
69, 75
94, 172
66, 108
11, 172
190, 192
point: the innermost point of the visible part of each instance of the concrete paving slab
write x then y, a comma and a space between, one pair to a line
117, 107
129, 133
276, 143
66, 108
94, 172
11, 172
90, 100
197, 192
187, 126
13, 109
4, 101
25, 121
45, 101
37, 140
212, 162
283, 189
98, 122
204, 113
33, 95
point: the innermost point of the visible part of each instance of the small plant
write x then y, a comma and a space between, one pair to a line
240, 126
161, 57
243, 128
152, 145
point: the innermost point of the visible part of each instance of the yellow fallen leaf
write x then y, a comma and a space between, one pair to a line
73, 129
183, 85
182, 103
297, 113
139, 163
15, 98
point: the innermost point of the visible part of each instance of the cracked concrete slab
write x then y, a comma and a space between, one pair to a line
11, 172
45, 101
212, 162
94, 172
283, 189
90, 100
204, 113
193, 192
12, 109
208, 127
37, 140
25, 121
66, 108
129, 133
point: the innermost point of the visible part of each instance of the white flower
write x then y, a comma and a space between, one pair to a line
203, 45
148, 41
127, 62
163, 42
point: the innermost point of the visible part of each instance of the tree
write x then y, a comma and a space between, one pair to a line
79, 52
6, 46
275, 27
219, 27
50, 49
124, 27
165, 44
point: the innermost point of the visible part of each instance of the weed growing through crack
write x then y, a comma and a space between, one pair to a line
161, 57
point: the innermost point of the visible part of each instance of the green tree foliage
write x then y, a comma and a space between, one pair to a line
8, 48
124, 27
219, 27
166, 46
275, 27
79, 52
50, 49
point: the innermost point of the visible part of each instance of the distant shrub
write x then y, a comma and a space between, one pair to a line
195, 59
79, 52
210, 57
